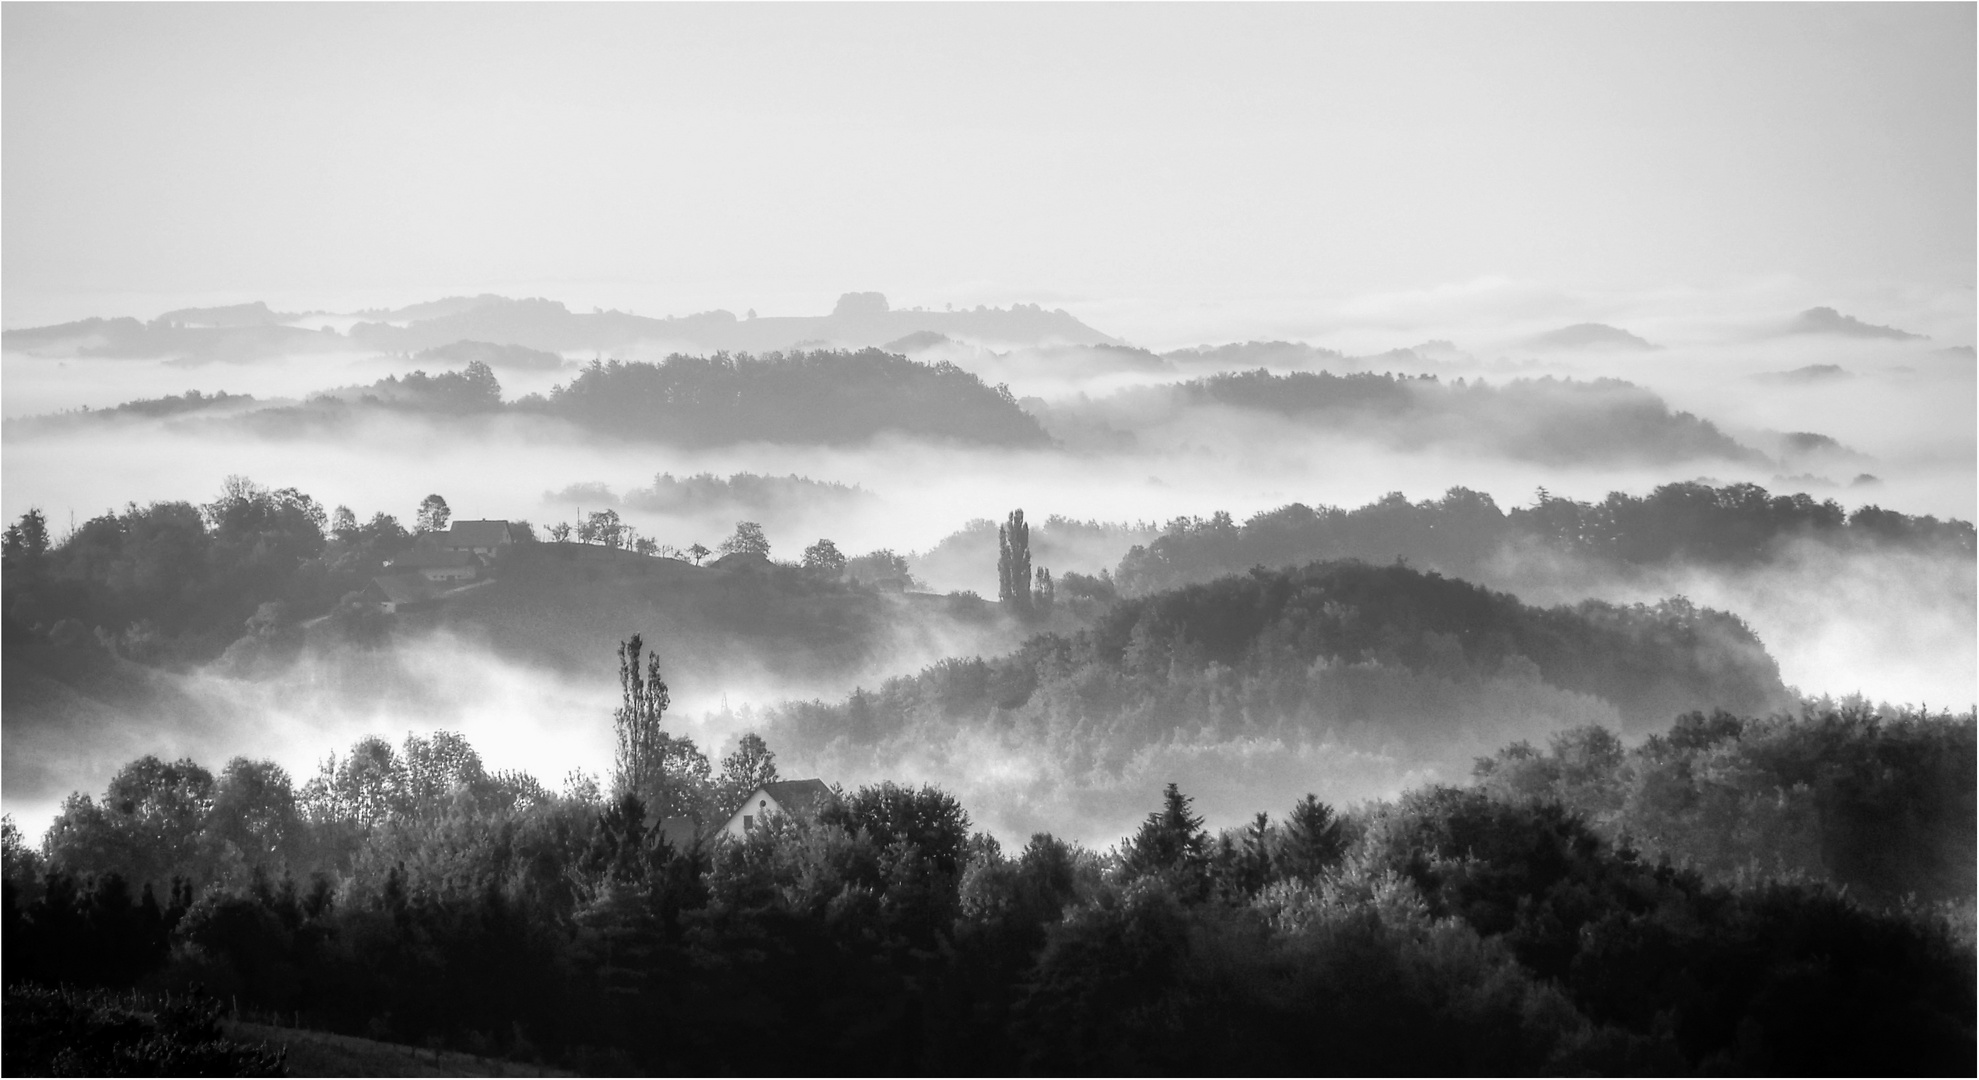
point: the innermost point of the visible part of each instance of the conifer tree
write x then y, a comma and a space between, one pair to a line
1171, 840
1314, 840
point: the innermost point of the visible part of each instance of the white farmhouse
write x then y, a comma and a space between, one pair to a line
796, 798
488, 537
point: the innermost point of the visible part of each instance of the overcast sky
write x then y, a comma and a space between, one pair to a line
671, 158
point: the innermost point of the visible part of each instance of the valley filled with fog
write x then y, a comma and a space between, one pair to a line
914, 433
1011, 539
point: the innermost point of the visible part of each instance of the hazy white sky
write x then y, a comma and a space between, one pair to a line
671, 158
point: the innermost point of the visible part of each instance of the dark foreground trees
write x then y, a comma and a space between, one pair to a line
411, 896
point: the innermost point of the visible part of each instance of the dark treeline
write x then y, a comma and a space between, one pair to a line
1556, 421
1455, 930
178, 583
1465, 533
824, 397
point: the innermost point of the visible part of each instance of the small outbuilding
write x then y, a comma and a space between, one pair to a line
439, 565
743, 561
794, 798
397, 592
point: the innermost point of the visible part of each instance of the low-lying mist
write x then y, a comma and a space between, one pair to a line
1135, 448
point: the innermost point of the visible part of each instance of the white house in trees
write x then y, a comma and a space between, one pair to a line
796, 798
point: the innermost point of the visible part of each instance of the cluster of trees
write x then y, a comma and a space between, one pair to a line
825, 397
473, 389
178, 583
1465, 532
1451, 931
822, 559
1555, 421
1056, 541
1023, 592
1879, 803
606, 529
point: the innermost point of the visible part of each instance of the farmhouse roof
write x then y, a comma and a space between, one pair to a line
738, 560
798, 796
485, 533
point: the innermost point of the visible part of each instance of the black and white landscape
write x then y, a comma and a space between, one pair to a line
762, 539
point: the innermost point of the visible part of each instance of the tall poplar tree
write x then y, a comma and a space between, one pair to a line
669, 775
1013, 563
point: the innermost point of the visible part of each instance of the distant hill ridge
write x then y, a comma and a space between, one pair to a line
1826, 320
250, 331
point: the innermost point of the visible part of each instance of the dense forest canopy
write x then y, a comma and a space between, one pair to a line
826, 397
1464, 532
1326, 661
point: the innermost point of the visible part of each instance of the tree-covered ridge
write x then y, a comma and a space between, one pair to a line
1267, 648
706, 491
826, 397
1736, 525
1476, 930
158, 408
1548, 420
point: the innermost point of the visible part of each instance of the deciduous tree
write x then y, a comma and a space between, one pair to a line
748, 539
433, 514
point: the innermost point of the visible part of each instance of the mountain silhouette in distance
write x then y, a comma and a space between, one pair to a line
1590, 336
1826, 320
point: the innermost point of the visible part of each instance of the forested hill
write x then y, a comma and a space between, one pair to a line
1464, 532
826, 397
1650, 662
799, 397
1380, 657
1547, 420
